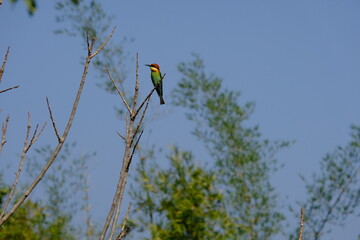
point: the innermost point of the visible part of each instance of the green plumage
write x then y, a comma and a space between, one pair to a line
156, 79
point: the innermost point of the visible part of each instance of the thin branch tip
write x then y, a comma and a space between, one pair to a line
118, 91
104, 43
60, 139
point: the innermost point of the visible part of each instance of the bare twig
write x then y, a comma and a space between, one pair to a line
36, 137
53, 122
66, 131
301, 224
133, 151
2, 69
121, 135
141, 119
19, 168
136, 93
124, 229
119, 92
8, 89
27, 146
3, 132
104, 43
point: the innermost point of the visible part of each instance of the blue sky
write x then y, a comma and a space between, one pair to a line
298, 60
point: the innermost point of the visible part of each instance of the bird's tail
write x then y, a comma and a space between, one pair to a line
162, 100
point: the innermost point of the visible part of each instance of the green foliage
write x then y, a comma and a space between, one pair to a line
243, 160
31, 221
185, 201
181, 202
31, 5
334, 193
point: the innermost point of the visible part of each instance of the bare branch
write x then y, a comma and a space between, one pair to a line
4, 130
136, 93
123, 182
121, 136
119, 92
124, 229
2, 69
36, 137
133, 151
5, 90
65, 134
141, 119
301, 224
53, 122
130, 147
114, 220
114, 210
19, 168
27, 146
88, 44
103, 45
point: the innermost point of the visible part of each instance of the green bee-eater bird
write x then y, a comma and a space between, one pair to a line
156, 79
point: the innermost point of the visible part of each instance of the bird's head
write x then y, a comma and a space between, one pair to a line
153, 67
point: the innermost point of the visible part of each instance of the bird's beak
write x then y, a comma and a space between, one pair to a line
148, 65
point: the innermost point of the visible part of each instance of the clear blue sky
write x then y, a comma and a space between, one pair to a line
298, 60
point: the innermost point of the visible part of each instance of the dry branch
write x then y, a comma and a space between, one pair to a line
124, 229
3, 132
27, 146
301, 224
133, 151
53, 122
118, 90
2, 69
130, 147
89, 57
121, 135
8, 89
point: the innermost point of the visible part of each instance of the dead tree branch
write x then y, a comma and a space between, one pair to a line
132, 130
2, 69
8, 89
89, 57
301, 224
53, 122
118, 90
3, 132
27, 146
124, 229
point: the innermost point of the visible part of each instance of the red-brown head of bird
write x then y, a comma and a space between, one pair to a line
153, 67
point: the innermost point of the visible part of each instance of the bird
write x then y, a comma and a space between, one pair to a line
156, 79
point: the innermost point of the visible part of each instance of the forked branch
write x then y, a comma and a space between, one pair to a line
132, 133
27, 146
91, 54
